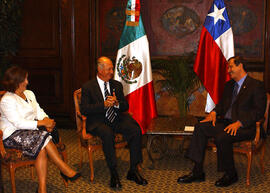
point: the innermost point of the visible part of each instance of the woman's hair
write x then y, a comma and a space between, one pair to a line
13, 77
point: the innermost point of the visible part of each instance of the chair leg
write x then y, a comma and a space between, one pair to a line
139, 167
262, 158
249, 159
91, 164
64, 155
12, 178
1, 178
81, 154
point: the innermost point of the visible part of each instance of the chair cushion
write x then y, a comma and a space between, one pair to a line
13, 155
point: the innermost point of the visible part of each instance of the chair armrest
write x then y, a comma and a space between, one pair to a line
82, 130
258, 132
2, 148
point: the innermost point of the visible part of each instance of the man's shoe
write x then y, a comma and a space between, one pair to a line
192, 177
135, 176
226, 180
115, 182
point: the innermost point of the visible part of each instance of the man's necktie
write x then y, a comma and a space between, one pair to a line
234, 94
110, 112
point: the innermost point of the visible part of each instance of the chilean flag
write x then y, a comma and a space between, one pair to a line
133, 67
215, 48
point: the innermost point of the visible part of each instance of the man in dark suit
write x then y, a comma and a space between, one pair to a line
233, 119
104, 104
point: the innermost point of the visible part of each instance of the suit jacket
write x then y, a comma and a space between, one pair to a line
16, 113
92, 102
249, 105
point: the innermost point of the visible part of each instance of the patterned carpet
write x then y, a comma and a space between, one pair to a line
162, 178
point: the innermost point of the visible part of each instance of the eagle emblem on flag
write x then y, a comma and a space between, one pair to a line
129, 69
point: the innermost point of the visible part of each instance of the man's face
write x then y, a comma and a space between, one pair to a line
233, 70
105, 70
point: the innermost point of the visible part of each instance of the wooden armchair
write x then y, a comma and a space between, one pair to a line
87, 141
249, 148
13, 159
255, 146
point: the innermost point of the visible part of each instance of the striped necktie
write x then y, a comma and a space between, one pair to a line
110, 112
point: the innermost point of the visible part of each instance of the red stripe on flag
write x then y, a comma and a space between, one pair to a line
211, 66
137, 9
142, 105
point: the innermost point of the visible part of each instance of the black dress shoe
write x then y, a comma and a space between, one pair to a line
115, 182
226, 180
135, 176
67, 179
192, 177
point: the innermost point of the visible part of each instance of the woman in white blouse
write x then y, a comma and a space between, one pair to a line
21, 116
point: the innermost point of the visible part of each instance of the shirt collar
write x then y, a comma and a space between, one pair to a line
100, 82
101, 86
241, 81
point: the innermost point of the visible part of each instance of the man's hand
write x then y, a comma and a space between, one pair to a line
108, 103
116, 103
113, 100
232, 128
210, 117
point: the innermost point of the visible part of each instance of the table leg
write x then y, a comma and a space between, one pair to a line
156, 148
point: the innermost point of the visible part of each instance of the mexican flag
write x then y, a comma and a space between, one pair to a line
133, 67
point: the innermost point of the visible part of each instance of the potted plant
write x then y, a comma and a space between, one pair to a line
10, 30
179, 78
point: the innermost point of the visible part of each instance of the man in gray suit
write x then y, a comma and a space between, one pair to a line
242, 104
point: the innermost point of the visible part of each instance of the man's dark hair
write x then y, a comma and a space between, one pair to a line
13, 77
238, 60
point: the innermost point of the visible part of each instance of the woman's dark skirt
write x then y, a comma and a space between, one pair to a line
29, 142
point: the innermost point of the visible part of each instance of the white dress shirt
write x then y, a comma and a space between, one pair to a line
101, 86
17, 113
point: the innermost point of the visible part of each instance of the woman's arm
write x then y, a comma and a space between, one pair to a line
8, 107
40, 113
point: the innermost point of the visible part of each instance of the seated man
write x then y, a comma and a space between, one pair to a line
233, 120
104, 104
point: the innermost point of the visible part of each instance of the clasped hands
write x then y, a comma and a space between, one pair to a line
230, 129
48, 123
111, 101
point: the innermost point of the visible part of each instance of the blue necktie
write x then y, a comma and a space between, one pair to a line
228, 115
110, 112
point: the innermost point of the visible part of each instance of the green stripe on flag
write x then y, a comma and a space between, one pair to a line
131, 33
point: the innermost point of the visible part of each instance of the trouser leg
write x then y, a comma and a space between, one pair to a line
224, 143
196, 150
132, 133
107, 136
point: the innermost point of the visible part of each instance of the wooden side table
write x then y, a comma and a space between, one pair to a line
162, 127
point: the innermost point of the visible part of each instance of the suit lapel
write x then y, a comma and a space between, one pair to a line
98, 90
111, 87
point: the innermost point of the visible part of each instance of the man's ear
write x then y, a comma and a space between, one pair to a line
241, 66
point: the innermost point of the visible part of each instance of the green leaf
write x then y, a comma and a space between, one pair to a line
180, 79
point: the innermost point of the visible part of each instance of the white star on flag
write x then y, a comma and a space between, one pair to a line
217, 14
